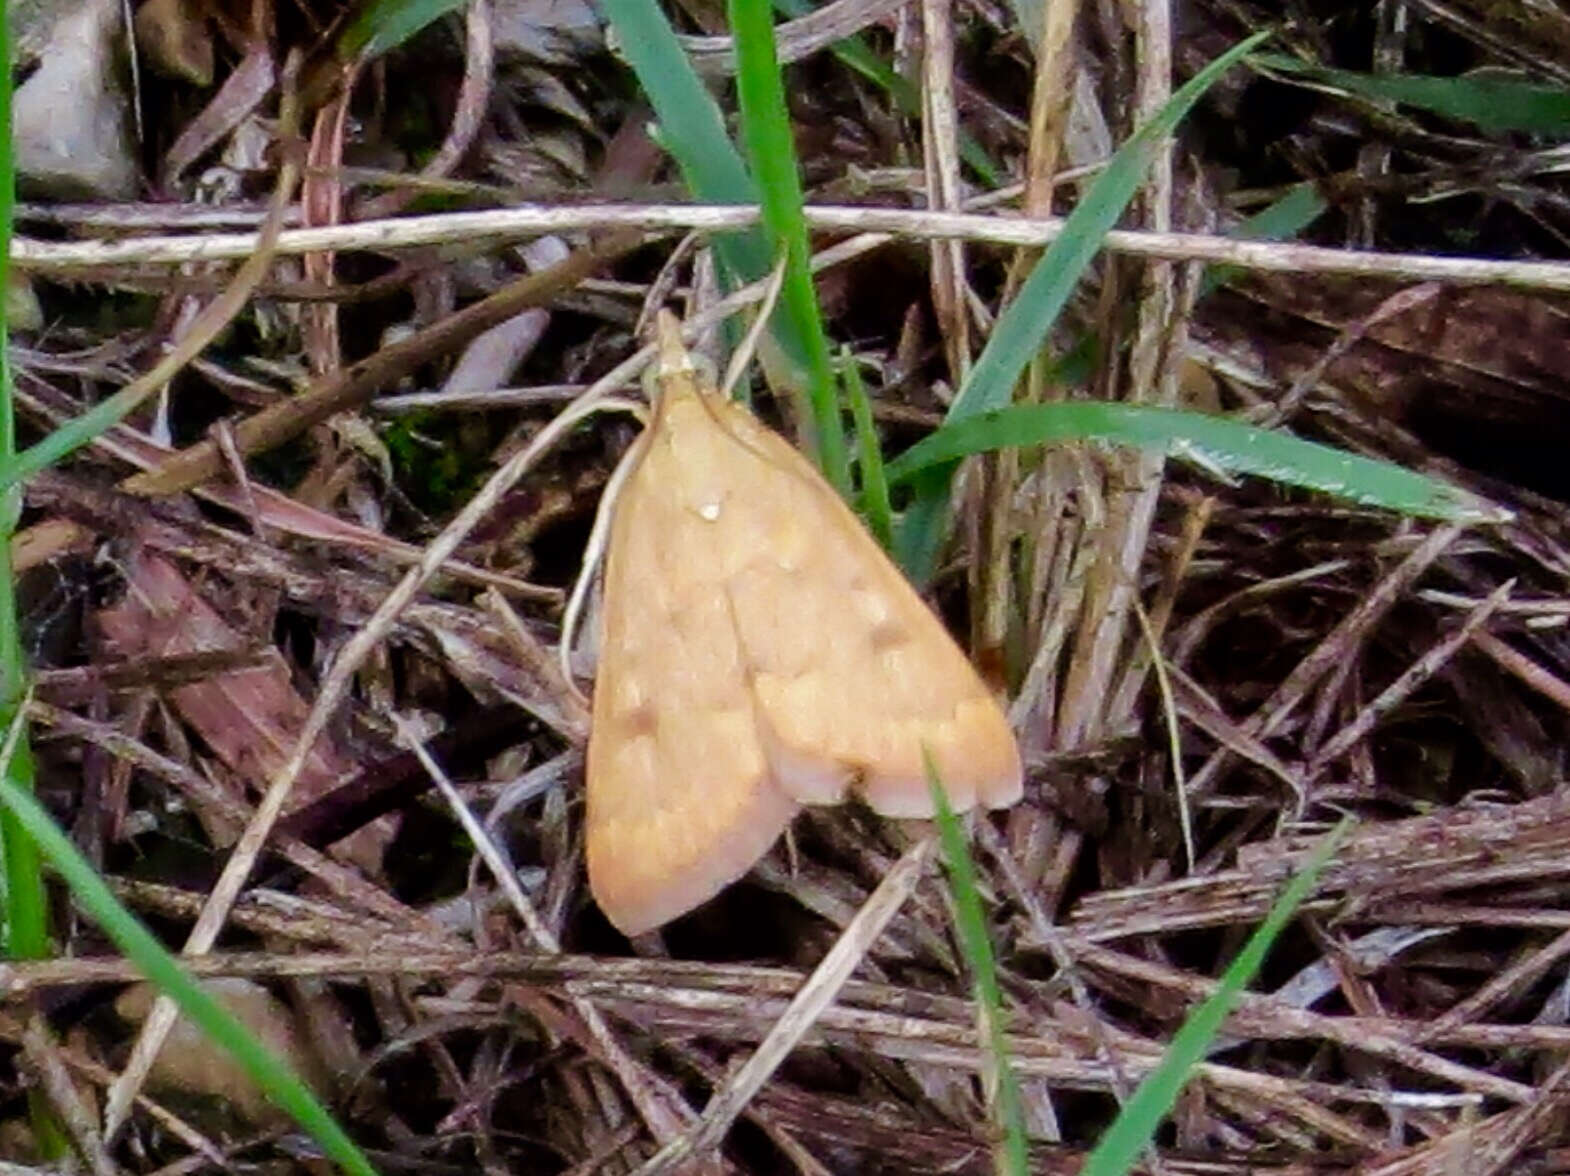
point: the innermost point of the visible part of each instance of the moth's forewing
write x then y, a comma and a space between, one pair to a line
759, 650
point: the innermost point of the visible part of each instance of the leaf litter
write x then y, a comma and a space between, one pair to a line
1324, 658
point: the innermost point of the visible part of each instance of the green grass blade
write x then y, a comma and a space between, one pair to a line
282, 1085
1136, 1125
386, 24
26, 904
26, 934
23, 899
7, 214
72, 435
923, 525
1491, 103
1286, 217
691, 127
1023, 326
874, 485
970, 923
765, 125
1282, 220
1214, 442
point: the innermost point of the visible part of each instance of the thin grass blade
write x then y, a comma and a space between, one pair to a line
386, 24
874, 485
1492, 104
26, 932
766, 130
1136, 1125
1212, 442
282, 1085
1022, 328
970, 924
691, 126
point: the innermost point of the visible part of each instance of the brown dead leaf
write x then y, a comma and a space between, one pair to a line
246, 88
192, 1064
249, 718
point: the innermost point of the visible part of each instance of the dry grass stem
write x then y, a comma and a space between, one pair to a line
298, 623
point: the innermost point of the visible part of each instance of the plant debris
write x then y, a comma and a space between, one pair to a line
354, 518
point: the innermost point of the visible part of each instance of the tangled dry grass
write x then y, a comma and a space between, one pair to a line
227, 574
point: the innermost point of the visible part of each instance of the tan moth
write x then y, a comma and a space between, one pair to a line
758, 652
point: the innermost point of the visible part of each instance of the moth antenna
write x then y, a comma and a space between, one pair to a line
594, 550
663, 287
760, 322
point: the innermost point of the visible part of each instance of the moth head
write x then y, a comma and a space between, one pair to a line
686, 376
675, 370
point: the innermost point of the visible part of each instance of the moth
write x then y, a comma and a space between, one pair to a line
758, 652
